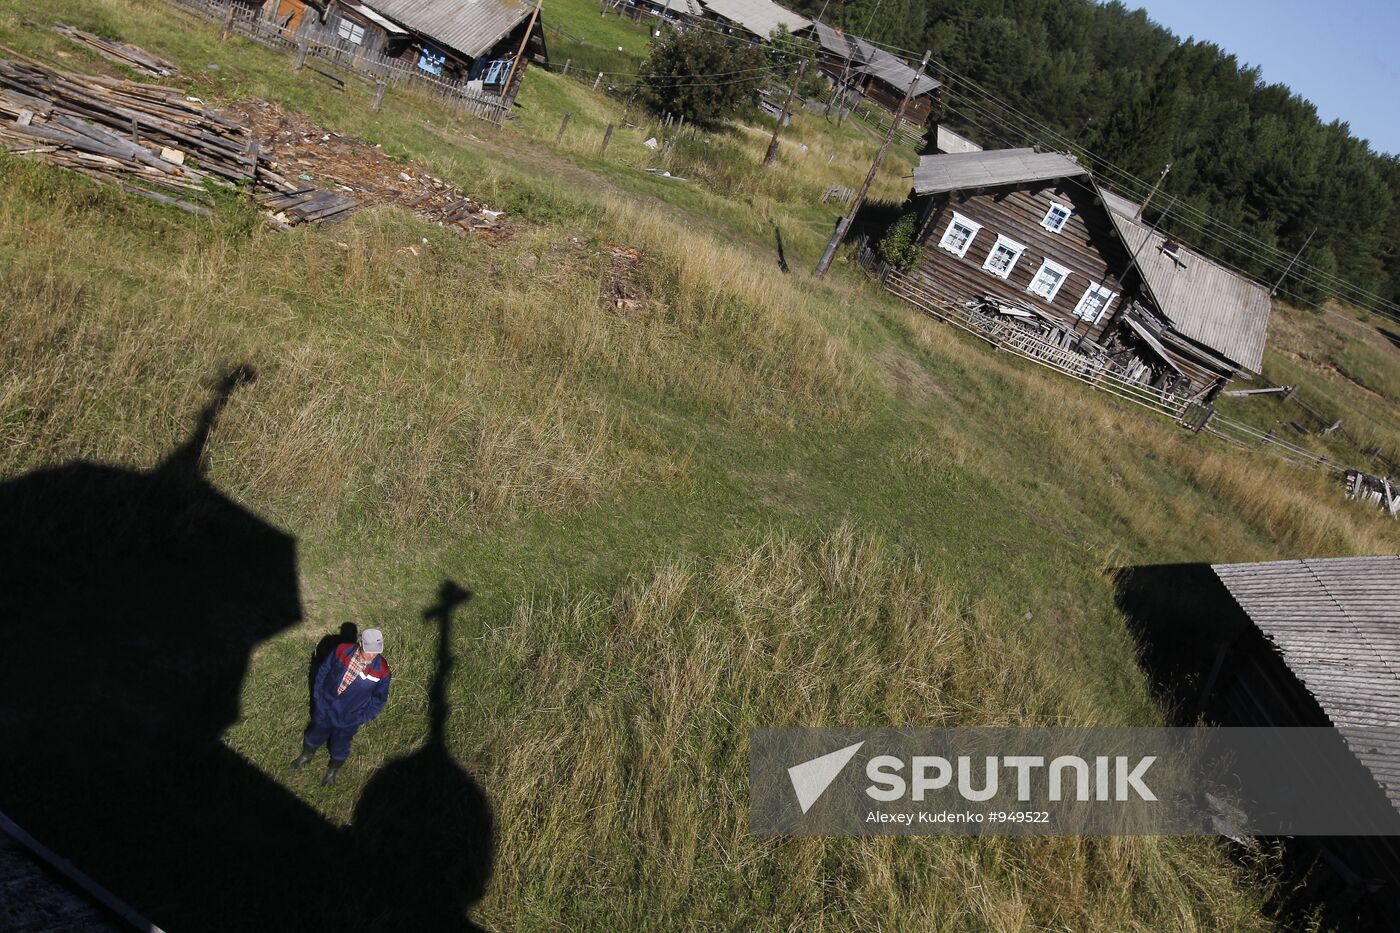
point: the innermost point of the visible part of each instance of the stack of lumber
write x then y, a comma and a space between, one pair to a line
123, 53
153, 141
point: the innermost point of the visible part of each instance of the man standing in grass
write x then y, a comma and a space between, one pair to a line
350, 689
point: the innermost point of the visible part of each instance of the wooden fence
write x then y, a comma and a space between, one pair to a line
1094, 372
373, 70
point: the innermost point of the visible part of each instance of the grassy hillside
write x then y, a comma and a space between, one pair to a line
747, 500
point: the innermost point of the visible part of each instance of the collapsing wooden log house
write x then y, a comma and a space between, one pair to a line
1032, 237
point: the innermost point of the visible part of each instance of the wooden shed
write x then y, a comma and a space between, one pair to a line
476, 41
1035, 233
1290, 643
859, 67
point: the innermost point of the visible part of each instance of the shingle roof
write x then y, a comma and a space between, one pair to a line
869, 59
1336, 624
936, 174
759, 17
469, 27
1203, 301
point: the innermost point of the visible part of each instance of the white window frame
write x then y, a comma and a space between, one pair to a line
946, 241
350, 31
1095, 288
1047, 221
1010, 244
1055, 266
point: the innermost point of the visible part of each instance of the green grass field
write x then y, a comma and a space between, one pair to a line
754, 500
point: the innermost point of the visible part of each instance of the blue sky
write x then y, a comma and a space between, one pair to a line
1340, 56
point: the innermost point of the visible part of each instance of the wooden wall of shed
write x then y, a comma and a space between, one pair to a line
1086, 246
881, 93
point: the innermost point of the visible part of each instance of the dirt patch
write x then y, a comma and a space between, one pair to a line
307, 153
906, 377
624, 289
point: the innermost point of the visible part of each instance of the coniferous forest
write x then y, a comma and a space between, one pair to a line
1244, 154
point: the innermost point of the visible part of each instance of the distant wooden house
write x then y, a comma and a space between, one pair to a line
858, 67
472, 41
1034, 232
754, 19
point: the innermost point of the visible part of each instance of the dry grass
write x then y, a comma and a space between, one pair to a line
647, 797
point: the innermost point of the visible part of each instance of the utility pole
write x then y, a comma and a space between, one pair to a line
841, 228
515, 62
792, 92
1153, 193
840, 86
1291, 263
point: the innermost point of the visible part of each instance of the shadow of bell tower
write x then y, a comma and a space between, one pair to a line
423, 828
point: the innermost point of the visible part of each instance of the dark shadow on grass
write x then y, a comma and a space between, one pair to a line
427, 803
130, 604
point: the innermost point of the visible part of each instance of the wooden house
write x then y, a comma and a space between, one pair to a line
861, 69
754, 19
1311, 643
1034, 232
476, 41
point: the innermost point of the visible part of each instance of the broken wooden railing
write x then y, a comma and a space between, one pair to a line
1093, 371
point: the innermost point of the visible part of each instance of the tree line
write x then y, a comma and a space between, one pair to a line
1253, 155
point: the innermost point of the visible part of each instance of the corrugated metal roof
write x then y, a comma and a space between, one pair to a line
759, 17
897, 74
1119, 204
1203, 301
1336, 623
950, 142
869, 59
469, 27
936, 174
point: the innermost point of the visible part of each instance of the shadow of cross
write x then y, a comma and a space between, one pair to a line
423, 828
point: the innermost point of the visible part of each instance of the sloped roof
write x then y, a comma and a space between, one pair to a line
468, 27
869, 59
936, 174
759, 17
1204, 301
894, 72
1119, 204
948, 141
1336, 624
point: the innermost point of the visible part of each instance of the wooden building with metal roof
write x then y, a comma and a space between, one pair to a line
857, 66
1034, 234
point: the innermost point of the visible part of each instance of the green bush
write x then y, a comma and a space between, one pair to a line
897, 246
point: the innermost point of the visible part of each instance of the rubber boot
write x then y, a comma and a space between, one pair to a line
331, 769
306, 754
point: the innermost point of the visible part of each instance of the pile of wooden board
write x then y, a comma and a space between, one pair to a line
123, 53
153, 141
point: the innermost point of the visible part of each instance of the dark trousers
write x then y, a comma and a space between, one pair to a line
335, 738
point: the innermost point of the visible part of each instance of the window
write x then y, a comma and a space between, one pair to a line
1048, 280
1002, 259
350, 32
495, 72
958, 237
1095, 302
431, 61
1056, 217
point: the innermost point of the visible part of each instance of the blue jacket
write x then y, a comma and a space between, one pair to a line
361, 701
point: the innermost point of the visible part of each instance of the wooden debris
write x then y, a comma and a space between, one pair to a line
123, 53
153, 141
